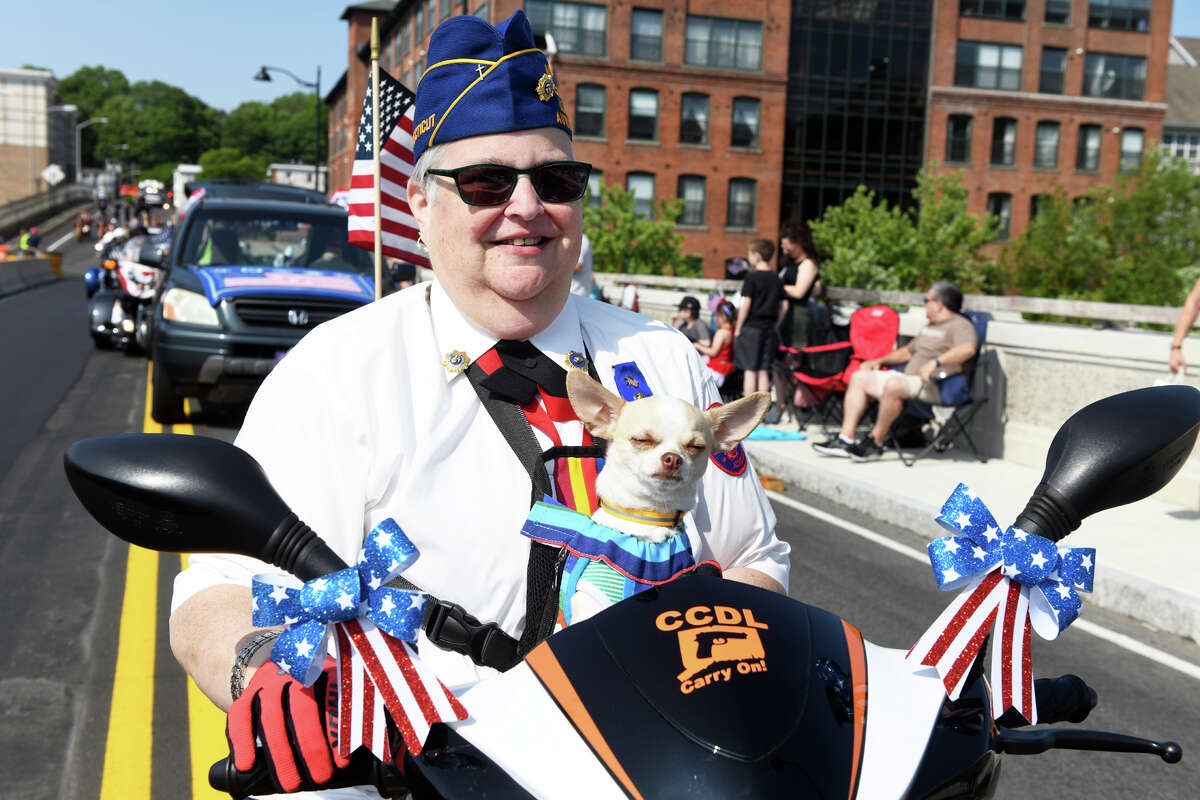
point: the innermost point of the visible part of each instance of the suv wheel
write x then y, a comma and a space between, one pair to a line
165, 405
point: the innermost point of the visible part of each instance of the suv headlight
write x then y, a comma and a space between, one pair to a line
180, 305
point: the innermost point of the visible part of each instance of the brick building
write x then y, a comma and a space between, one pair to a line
25, 99
1027, 95
667, 99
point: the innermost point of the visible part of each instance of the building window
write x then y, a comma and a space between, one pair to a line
997, 9
419, 23
481, 12
641, 186
1004, 141
741, 203
1121, 15
747, 113
645, 43
1045, 153
999, 205
988, 66
444, 8
430, 15
1182, 145
589, 110
1133, 140
693, 118
1058, 12
1112, 75
643, 114
1054, 68
595, 190
719, 42
576, 27
691, 191
1038, 203
958, 138
1087, 152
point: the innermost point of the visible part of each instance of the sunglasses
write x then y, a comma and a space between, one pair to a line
493, 184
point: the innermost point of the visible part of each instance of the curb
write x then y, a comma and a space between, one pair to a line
1162, 607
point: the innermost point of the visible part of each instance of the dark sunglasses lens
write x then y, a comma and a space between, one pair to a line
560, 183
486, 185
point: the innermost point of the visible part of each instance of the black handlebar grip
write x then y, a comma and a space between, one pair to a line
363, 770
1064, 699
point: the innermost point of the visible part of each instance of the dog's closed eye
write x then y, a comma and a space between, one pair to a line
693, 446
644, 440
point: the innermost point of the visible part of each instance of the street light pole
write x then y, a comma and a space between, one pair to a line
264, 75
78, 150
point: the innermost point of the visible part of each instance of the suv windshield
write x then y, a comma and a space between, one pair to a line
269, 238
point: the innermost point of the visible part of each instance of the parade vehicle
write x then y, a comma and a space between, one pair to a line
251, 270
120, 292
700, 687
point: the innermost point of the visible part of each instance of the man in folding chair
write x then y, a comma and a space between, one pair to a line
939, 350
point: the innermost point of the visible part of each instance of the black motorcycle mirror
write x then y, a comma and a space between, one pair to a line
1115, 451
192, 494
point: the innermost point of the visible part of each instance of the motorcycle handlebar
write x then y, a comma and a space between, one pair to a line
363, 770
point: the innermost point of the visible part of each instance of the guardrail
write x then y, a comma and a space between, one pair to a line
31, 210
663, 286
17, 274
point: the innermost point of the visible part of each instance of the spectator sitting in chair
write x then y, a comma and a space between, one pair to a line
940, 349
687, 320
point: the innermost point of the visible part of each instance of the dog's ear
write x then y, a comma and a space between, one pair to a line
596, 407
733, 422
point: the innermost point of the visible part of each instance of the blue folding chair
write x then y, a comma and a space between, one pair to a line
945, 423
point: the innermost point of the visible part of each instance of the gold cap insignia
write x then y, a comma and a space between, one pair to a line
456, 361
632, 382
576, 360
546, 89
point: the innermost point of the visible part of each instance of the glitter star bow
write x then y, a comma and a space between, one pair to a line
371, 625
1012, 580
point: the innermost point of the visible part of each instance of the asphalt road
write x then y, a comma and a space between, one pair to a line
80, 718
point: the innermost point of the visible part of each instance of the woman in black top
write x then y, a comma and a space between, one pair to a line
801, 276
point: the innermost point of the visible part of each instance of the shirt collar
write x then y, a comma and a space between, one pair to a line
453, 332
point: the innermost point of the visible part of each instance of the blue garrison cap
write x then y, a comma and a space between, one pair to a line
479, 80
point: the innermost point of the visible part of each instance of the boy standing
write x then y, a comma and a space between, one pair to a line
755, 334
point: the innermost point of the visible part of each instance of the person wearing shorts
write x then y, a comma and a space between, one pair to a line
756, 331
940, 349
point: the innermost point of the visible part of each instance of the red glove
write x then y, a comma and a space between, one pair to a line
281, 710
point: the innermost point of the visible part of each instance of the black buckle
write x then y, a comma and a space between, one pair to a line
450, 627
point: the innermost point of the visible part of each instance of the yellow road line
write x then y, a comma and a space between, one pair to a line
149, 425
206, 733
127, 749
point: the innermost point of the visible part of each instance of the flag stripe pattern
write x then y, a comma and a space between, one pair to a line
399, 228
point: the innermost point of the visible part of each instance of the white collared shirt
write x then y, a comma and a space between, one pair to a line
361, 421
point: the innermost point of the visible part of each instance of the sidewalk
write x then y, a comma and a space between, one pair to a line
1147, 553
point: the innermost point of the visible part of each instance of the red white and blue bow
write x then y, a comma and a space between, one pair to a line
1011, 579
371, 624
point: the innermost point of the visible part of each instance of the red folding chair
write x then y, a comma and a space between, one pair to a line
815, 378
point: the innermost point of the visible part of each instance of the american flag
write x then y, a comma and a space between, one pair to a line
399, 238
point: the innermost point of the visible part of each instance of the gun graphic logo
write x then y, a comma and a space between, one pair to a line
699, 648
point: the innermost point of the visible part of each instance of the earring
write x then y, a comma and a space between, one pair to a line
421, 243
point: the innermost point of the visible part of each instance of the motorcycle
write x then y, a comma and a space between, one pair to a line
120, 293
83, 226
701, 687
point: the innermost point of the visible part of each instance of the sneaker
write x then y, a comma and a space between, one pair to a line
865, 449
773, 415
834, 447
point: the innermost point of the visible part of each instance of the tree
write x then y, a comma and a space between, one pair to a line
88, 89
872, 245
625, 241
228, 162
1135, 242
159, 123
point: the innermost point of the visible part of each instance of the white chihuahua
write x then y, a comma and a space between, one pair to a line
658, 450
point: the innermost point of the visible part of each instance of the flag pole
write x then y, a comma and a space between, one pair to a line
375, 150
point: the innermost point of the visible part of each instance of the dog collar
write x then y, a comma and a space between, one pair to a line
646, 516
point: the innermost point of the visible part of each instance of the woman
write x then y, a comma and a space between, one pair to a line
801, 281
720, 349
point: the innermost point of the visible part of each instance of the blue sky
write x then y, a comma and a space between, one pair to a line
212, 48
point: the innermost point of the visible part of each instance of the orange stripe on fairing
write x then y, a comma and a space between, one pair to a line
550, 673
858, 679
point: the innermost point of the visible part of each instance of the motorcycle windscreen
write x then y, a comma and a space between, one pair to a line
712, 688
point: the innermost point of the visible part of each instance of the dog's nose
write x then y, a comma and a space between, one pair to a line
672, 461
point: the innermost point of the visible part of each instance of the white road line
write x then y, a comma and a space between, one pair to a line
1100, 632
55, 246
